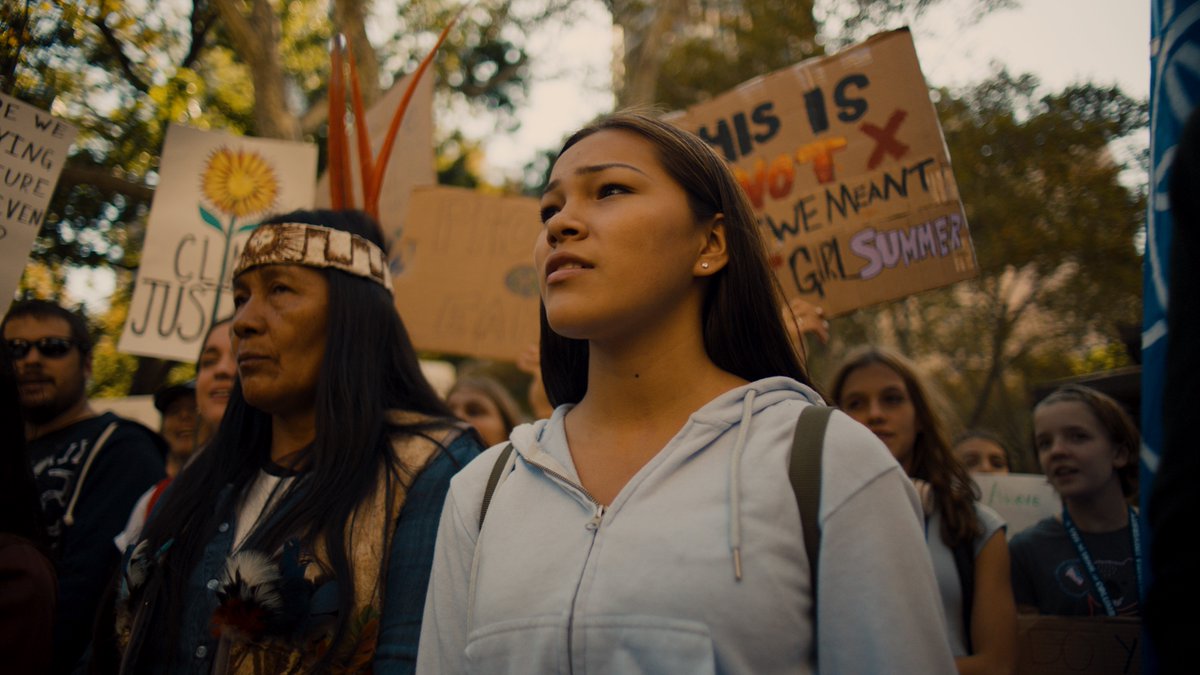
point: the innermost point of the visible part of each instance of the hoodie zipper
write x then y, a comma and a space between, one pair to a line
592, 526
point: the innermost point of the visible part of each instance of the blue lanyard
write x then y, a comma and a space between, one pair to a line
1081, 548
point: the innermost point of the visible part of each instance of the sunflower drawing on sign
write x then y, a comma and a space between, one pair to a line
238, 184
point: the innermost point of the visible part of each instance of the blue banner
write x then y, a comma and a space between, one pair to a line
1174, 93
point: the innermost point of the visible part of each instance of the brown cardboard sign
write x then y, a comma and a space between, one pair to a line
1056, 645
845, 164
463, 272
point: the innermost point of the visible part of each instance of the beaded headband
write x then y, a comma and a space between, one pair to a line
315, 246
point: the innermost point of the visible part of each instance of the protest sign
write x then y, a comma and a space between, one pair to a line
844, 162
213, 190
411, 162
33, 149
467, 283
1021, 498
1059, 645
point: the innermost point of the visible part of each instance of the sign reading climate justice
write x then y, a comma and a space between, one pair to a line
213, 190
845, 164
33, 149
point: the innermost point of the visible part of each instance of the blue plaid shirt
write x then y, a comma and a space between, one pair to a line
408, 573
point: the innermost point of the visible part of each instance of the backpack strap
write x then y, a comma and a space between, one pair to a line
964, 563
494, 480
804, 472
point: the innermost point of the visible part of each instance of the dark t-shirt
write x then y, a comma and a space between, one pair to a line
1048, 574
128, 463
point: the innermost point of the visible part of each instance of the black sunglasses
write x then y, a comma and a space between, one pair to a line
50, 347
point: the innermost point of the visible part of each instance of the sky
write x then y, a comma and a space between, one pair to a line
1059, 41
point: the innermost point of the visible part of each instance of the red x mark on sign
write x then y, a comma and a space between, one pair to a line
885, 139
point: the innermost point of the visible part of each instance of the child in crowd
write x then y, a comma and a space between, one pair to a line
981, 451
1088, 561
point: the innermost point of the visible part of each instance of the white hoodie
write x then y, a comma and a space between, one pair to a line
556, 583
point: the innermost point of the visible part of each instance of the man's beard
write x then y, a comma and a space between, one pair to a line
47, 410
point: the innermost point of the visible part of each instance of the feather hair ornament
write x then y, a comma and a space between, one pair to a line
371, 169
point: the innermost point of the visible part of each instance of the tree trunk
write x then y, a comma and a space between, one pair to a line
349, 17
255, 36
644, 30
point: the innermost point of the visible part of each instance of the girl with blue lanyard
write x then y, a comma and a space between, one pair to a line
1088, 561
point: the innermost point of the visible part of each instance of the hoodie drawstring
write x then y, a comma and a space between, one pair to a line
735, 462
69, 516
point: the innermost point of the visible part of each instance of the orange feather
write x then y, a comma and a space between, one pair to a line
394, 129
365, 162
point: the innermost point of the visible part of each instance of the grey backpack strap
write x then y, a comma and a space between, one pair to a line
493, 481
805, 475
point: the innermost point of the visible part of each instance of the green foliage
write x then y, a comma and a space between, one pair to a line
734, 44
122, 70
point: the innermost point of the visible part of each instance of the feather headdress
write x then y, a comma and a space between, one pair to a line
371, 169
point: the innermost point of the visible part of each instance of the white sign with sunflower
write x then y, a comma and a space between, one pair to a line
214, 188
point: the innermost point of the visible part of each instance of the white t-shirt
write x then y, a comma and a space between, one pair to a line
262, 496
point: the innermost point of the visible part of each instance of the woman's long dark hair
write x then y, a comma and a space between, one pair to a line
370, 367
933, 461
743, 327
20, 501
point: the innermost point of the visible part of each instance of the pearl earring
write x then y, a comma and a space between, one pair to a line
704, 265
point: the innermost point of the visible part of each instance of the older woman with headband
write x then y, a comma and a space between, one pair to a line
301, 538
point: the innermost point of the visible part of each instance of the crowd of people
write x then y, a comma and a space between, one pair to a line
311, 503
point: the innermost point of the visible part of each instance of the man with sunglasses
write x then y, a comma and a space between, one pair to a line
90, 468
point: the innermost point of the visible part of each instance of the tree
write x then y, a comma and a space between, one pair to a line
121, 70
675, 53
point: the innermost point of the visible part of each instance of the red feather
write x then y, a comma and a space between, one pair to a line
390, 140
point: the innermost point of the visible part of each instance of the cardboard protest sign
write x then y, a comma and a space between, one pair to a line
33, 149
213, 190
845, 164
1059, 645
466, 283
411, 162
1022, 498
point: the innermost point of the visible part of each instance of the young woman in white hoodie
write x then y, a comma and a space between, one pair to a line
649, 525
